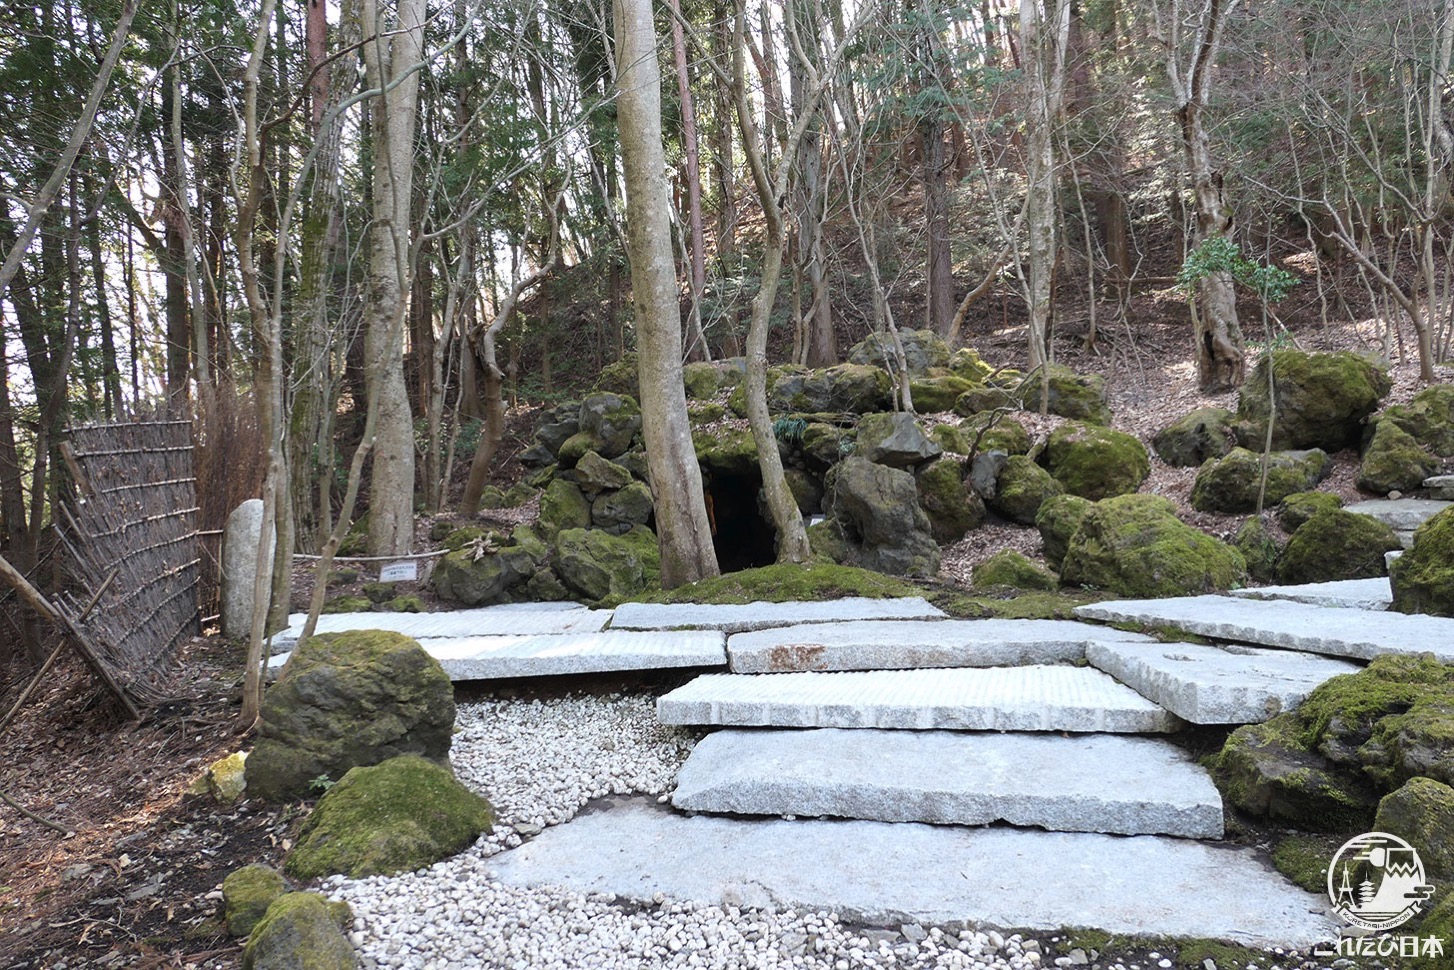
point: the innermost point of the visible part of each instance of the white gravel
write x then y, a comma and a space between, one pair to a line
539, 761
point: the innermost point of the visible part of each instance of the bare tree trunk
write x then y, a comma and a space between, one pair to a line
697, 348
1043, 38
821, 342
683, 532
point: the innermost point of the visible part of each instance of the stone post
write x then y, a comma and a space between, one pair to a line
240, 566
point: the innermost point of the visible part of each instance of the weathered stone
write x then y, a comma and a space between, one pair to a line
1351, 594
806, 488
1095, 462
1421, 813
225, 779
1322, 400
937, 393
556, 425
509, 619
622, 510
1021, 488
1394, 461
952, 509
596, 564
1297, 508
1423, 577
951, 438
246, 895
997, 432
1057, 520
1400, 515
301, 931
478, 577
737, 618
347, 604
701, 380
877, 508
240, 539
344, 700
1071, 395
967, 363
1193, 438
397, 816
982, 398
1336, 544
563, 506
1010, 568
1087, 783
923, 349
1231, 484
726, 450
825, 445
1133, 545
894, 439
1259, 547
984, 473
612, 420
545, 586
620, 376
852, 388
1429, 418
555, 655
1268, 770
595, 475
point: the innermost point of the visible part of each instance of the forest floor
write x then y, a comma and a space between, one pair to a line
135, 880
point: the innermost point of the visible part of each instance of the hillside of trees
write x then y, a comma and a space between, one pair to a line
349, 240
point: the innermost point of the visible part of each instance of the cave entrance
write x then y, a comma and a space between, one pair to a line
741, 536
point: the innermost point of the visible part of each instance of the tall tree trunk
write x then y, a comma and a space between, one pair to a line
683, 531
822, 342
392, 58
1044, 33
697, 348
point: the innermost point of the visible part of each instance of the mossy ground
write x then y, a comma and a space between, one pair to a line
1304, 859
1016, 605
782, 582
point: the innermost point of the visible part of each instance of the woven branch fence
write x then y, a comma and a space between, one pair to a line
131, 537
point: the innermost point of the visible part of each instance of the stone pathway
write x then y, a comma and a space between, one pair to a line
735, 618
1355, 594
1403, 515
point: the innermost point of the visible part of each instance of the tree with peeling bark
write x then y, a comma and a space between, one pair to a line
682, 528
1191, 38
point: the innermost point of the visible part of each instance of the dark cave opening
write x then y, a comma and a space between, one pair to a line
741, 535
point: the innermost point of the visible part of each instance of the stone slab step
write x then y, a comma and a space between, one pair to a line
1085, 783
1401, 514
896, 644
515, 619
1354, 594
881, 873
1329, 630
553, 655
1440, 487
736, 618
1033, 698
1221, 684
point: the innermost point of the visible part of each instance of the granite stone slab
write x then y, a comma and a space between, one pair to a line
736, 618
1032, 698
1401, 514
516, 619
1217, 684
1440, 487
1330, 630
895, 644
881, 873
1081, 783
1354, 594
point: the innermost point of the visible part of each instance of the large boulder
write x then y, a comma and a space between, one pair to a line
1321, 399
937, 393
344, 700
876, 509
895, 439
1071, 395
984, 397
563, 506
596, 564
1057, 520
1260, 548
966, 363
701, 380
851, 388
401, 815
825, 445
246, 895
624, 509
555, 426
481, 575
595, 475
1096, 462
1194, 437
1010, 568
1394, 460
1428, 418
1134, 545
1423, 577
301, 931
952, 509
724, 449
996, 431
1421, 812
1335, 544
923, 349
608, 423
1297, 508
1021, 488
1230, 484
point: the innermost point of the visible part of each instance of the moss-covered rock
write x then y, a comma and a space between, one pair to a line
620, 377
825, 445
519, 494
966, 363
596, 564
939, 393
1010, 568
1057, 520
401, 815
301, 931
349, 699
378, 592
853, 388
1022, 487
1095, 462
1428, 418
729, 450
982, 398
481, 574
878, 509
788, 582
807, 490
1071, 395
951, 438
408, 603
828, 542
952, 509
1297, 508
1134, 545
1393, 461
545, 587
997, 432
1269, 770
1421, 812
491, 497
1193, 438
555, 426
466, 536
705, 412
923, 349
611, 421
1423, 577
1259, 547
623, 509
1304, 859
347, 604
1439, 924
595, 475
1230, 484
894, 439
1321, 399
225, 779
246, 895
1335, 544
701, 380
563, 506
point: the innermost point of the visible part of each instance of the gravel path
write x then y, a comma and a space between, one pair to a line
539, 762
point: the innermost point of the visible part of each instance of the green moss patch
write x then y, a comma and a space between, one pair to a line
1095, 462
782, 582
303, 931
1304, 859
246, 895
1335, 544
1298, 507
1134, 545
1423, 577
1010, 568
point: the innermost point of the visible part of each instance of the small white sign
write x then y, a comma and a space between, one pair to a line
399, 572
